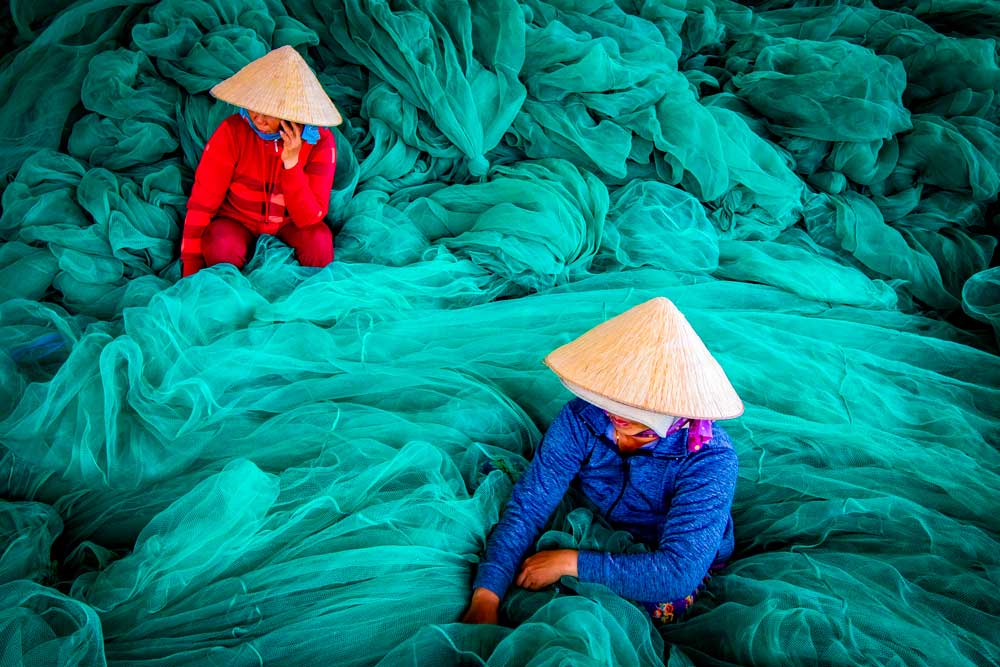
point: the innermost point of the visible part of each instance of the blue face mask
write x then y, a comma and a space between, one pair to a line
310, 133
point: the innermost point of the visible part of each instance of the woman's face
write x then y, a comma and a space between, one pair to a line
626, 427
264, 123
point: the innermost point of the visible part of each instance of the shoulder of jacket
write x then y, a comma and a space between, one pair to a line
576, 406
233, 122
576, 430
326, 138
719, 451
229, 130
720, 439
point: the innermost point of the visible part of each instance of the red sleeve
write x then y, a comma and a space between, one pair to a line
211, 182
307, 187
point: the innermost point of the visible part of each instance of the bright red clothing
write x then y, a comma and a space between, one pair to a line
241, 178
227, 241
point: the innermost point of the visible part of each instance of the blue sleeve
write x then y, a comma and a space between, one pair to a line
696, 521
535, 496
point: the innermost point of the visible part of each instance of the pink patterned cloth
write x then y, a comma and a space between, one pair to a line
699, 432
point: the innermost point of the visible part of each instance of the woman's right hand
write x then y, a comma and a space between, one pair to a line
484, 608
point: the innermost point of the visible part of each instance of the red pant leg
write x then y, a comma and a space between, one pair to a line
313, 245
226, 241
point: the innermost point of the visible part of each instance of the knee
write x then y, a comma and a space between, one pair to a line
226, 243
314, 246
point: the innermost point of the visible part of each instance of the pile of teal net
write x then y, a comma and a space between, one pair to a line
294, 466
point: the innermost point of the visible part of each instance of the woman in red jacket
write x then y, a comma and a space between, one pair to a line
267, 170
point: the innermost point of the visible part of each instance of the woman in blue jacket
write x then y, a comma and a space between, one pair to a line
641, 443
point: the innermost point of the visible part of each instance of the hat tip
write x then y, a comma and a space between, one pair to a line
662, 304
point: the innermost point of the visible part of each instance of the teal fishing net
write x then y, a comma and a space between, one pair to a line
292, 466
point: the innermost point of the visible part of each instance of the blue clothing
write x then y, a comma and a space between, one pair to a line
310, 133
678, 502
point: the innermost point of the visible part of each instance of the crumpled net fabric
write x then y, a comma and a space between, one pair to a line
292, 466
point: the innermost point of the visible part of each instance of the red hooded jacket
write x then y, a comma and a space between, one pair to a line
241, 176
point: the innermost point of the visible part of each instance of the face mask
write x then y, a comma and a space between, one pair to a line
648, 433
659, 423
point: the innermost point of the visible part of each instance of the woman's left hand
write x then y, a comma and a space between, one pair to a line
545, 568
291, 134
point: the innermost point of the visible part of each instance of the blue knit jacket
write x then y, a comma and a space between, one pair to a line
675, 501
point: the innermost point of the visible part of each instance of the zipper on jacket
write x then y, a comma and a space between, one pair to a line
627, 465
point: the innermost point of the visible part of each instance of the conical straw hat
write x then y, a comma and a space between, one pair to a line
651, 359
280, 84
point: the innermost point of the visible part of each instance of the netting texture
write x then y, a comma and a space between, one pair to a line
297, 466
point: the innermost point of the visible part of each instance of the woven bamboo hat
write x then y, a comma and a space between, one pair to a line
651, 359
280, 84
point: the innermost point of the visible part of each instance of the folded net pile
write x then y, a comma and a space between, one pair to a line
297, 466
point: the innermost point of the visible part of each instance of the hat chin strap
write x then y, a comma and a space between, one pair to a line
658, 421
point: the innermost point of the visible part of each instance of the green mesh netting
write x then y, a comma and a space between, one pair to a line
290, 466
